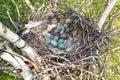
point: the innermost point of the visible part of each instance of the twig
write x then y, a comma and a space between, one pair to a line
94, 74
30, 5
90, 57
17, 10
11, 20
115, 49
39, 9
56, 5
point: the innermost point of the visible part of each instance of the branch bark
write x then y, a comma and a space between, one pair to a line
17, 62
110, 6
17, 41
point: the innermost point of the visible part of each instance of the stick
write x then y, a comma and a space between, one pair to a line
30, 5
11, 20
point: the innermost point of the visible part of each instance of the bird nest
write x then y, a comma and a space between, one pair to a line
68, 44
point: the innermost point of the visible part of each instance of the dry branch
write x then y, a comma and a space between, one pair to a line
110, 6
30, 5
17, 41
17, 62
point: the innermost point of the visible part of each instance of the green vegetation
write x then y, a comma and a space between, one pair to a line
5, 76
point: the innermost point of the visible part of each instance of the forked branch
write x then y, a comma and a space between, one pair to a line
28, 51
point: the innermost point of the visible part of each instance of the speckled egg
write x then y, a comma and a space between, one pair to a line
61, 46
53, 43
63, 36
60, 41
55, 38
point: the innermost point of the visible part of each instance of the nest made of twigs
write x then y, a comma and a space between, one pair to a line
81, 45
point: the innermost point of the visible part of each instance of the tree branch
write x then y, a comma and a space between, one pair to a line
17, 41
110, 6
17, 62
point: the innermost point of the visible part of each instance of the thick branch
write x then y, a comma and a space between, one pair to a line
17, 41
110, 6
17, 62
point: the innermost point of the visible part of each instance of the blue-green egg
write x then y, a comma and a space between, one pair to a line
60, 41
53, 43
63, 36
55, 38
61, 46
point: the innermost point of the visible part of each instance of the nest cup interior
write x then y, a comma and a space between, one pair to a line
74, 35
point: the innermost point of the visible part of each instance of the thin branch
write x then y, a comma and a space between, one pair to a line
30, 5
17, 10
11, 20
115, 49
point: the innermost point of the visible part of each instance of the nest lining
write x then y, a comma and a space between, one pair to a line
82, 41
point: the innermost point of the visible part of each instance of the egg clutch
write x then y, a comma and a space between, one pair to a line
59, 41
